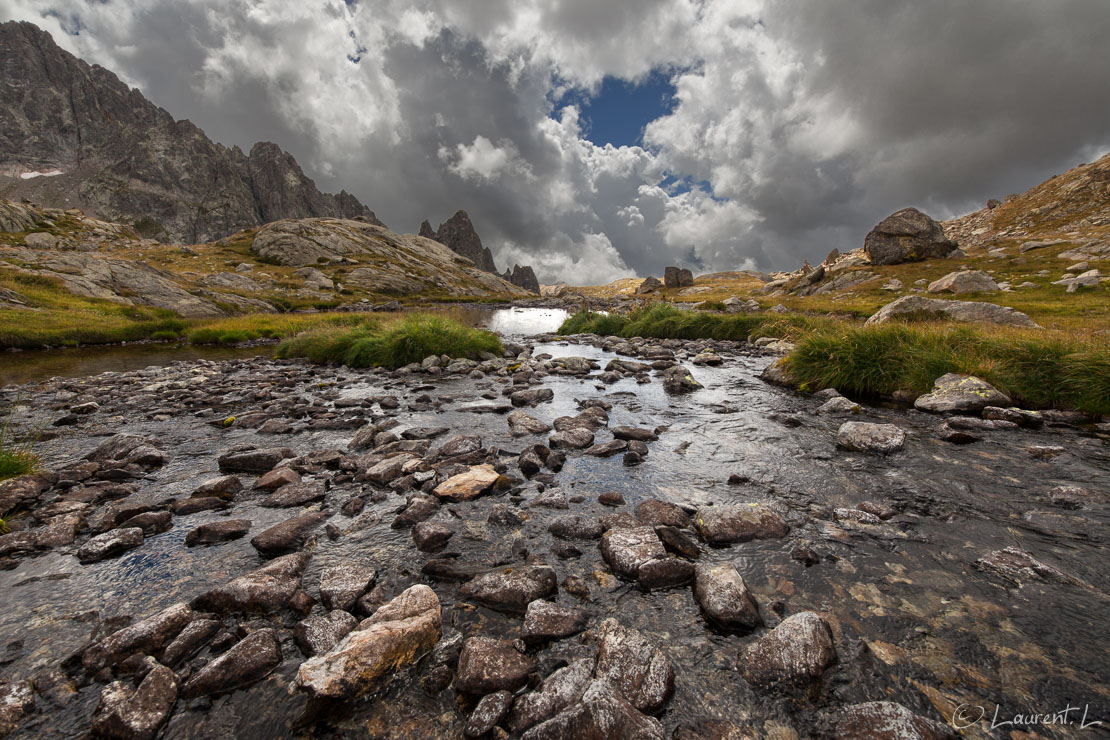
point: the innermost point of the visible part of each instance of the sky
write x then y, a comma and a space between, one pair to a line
597, 140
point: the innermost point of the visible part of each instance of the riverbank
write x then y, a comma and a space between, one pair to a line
930, 577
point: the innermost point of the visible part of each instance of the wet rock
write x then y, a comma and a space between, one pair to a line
954, 393
636, 669
127, 449
145, 636
186, 506
136, 713
530, 463
431, 536
574, 439
883, 720
676, 541
1072, 497
254, 461
341, 585
1020, 565
552, 498
707, 357
506, 516
725, 598
277, 478
710, 728
288, 535
319, 634
636, 434
16, 700
547, 621
398, 634
839, 405
600, 713
487, 665
611, 498
451, 569
653, 513
511, 589
576, 527
424, 432
223, 530
364, 438
677, 379
626, 549
882, 511
559, 690
1021, 417
473, 483
295, 494
522, 424
190, 640
793, 654
225, 486
531, 397
607, 449
665, 572
805, 554
420, 507
267, 589
956, 436
860, 436
151, 522
110, 544
724, 525
388, 470
489, 712
252, 659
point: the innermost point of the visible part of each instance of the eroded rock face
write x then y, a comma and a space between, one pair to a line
399, 633
457, 234
795, 653
859, 436
487, 665
637, 670
955, 393
907, 235
266, 589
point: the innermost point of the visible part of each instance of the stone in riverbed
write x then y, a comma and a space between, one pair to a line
665, 572
511, 589
546, 621
295, 494
288, 535
341, 585
151, 522
223, 530
398, 634
725, 598
16, 700
186, 506
859, 436
654, 512
277, 478
473, 483
136, 713
110, 544
319, 634
678, 542
636, 434
677, 379
250, 660
125, 449
487, 665
607, 449
839, 405
955, 393
883, 720
490, 710
575, 439
431, 536
724, 525
267, 589
190, 640
523, 424
576, 527
558, 691
145, 636
531, 396
421, 506
225, 487
254, 461
1019, 565
601, 712
626, 549
793, 654
636, 669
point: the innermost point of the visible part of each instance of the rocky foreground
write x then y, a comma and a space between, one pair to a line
593, 538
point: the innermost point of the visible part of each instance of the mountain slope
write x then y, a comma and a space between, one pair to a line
75, 136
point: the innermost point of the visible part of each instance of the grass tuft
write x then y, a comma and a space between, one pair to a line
16, 458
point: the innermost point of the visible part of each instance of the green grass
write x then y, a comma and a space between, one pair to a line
391, 344
16, 458
664, 321
1036, 370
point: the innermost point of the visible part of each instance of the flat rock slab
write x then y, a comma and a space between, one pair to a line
523, 424
469, 485
547, 621
288, 535
859, 436
248, 661
724, 525
110, 544
511, 589
295, 494
147, 635
267, 589
400, 633
254, 461
560, 690
212, 533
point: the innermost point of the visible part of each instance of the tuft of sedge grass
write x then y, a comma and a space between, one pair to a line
393, 344
16, 457
1038, 370
665, 321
